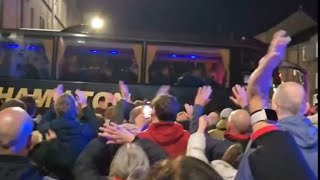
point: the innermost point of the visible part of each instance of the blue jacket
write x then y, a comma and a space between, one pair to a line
305, 135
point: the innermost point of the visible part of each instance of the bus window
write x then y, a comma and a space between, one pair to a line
186, 66
97, 61
25, 57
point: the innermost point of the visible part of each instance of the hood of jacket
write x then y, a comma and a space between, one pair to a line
302, 130
166, 133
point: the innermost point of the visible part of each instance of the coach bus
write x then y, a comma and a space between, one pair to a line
36, 61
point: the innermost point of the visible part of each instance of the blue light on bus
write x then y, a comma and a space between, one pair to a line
13, 46
113, 52
173, 55
33, 48
193, 57
94, 51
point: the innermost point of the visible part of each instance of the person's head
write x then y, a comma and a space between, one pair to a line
165, 71
183, 168
239, 122
289, 99
102, 102
109, 112
65, 107
130, 162
136, 117
15, 131
107, 71
196, 72
225, 113
232, 154
213, 118
31, 105
13, 103
138, 103
165, 108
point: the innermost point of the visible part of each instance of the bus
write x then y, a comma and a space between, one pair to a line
36, 61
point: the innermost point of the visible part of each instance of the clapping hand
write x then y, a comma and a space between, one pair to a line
116, 134
239, 97
81, 98
203, 124
163, 90
189, 110
57, 92
203, 96
124, 91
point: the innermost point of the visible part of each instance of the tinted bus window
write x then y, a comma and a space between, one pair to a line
25, 57
186, 66
99, 61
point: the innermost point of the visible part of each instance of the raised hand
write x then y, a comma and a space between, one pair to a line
203, 124
277, 49
163, 90
124, 91
189, 110
116, 134
57, 92
81, 98
239, 97
203, 96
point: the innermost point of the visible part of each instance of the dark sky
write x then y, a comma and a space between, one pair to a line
242, 17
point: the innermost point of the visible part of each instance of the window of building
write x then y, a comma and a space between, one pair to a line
42, 23
99, 61
32, 18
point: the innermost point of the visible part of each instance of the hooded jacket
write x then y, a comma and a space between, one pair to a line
305, 135
168, 135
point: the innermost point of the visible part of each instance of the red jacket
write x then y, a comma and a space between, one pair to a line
170, 136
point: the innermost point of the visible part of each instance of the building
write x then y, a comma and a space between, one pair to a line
302, 51
38, 14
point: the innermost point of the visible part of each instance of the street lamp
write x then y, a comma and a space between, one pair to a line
97, 23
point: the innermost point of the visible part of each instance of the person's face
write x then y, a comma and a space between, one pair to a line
196, 73
140, 120
102, 104
165, 71
108, 72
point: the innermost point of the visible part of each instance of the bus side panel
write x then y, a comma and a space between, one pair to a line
42, 90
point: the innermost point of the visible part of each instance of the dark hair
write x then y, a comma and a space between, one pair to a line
13, 103
30, 103
65, 107
102, 98
232, 155
183, 168
108, 114
166, 107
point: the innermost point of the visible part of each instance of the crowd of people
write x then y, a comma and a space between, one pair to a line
127, 140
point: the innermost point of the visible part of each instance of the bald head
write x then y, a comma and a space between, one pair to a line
239, 121
15, 129
289, 98
213, 118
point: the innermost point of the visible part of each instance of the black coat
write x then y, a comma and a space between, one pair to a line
19, 168
94, 162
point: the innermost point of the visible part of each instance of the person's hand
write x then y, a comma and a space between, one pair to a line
203, 96
203, 124
183, 116
57, 92
36, 138
116, 98
81, 98
239, 97
124, 91
131, 128
116, 134
189, 110
163, 90
277, 49
51, 135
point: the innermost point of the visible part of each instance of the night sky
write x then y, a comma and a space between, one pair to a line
242, 17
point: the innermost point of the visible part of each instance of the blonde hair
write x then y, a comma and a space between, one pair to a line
130, 163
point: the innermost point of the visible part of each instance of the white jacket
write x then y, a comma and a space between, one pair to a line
196, 148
